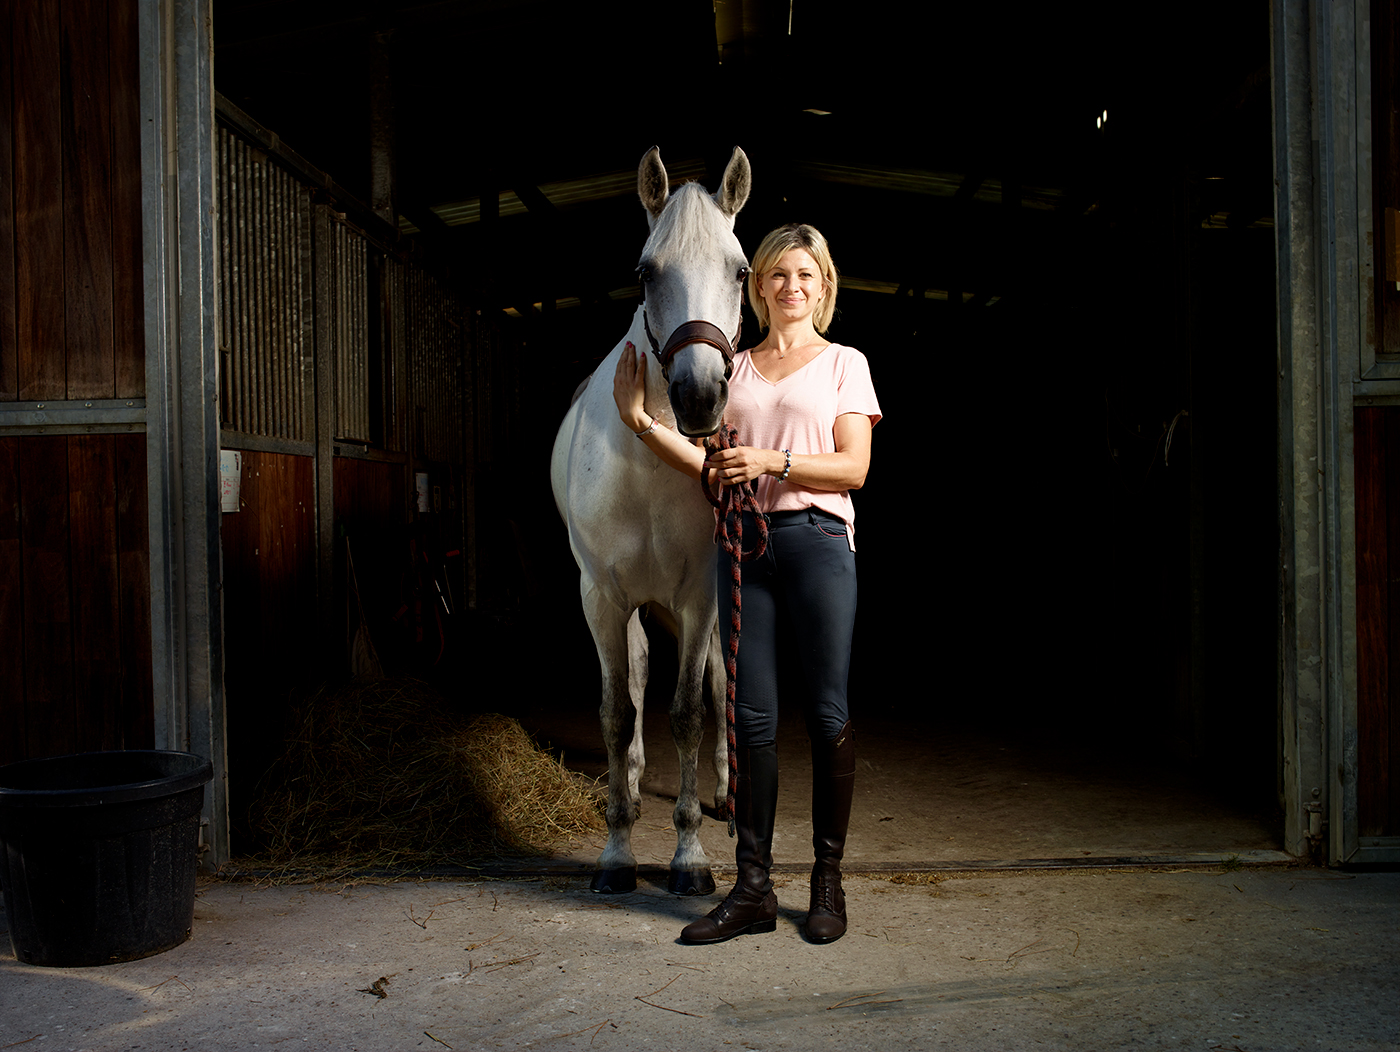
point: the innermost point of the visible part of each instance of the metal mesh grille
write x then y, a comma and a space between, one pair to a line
264, 289
435, 338
397, 336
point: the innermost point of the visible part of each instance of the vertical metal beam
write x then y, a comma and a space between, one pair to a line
1322, 174
182, 429
324, 293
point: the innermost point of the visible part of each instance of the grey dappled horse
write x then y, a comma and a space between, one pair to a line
642, 532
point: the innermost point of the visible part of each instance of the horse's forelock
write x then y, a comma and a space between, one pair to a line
689, 219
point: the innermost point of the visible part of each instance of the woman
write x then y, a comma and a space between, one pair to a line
808, 407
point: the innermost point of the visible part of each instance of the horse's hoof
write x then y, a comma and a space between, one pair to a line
691, 882
615, 881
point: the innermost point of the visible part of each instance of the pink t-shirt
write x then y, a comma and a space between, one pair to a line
798, 413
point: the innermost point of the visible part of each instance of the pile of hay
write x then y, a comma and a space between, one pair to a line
381, 773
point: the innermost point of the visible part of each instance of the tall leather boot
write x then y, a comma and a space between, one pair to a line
833, 781
751, 907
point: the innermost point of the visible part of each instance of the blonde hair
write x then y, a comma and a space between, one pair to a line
773, 248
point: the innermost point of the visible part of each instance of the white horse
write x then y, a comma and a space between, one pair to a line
642, 532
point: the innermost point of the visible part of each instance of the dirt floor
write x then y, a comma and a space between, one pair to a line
947, 798
1240, 961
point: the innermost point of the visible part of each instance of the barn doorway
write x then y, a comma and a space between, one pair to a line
1058, 255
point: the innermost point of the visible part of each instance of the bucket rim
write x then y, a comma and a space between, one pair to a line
198, 774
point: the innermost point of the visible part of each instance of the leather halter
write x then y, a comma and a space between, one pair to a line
692, 332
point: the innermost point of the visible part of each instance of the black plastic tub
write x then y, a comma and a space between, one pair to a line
98, 854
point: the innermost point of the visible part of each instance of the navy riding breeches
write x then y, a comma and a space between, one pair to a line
798, 614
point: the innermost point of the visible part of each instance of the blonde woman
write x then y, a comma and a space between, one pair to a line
807, 406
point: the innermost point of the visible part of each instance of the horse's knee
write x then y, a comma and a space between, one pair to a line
687, 816
687, 726
623, 813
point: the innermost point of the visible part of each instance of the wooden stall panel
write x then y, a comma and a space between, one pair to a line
1378, 619
38, 201
11, 606
51, 720
9, 359
128, 297
87, 199
135, 686
269, 612
96, 617
269, 573
371, 515
70, 215
74, 596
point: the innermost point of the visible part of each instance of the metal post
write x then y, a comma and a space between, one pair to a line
323, 286
182, 422
1321, 83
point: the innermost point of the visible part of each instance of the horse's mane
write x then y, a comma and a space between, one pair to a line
683, 223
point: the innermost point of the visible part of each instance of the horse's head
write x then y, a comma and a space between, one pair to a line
692, 272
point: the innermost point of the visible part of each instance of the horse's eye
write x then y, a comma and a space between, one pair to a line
743, 273
644, 273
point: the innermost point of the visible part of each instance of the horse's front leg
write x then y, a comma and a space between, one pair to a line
690, 869
621, 647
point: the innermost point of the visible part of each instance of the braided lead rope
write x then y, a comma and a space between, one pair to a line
732, 502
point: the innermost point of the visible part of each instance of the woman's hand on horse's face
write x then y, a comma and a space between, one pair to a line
630, 388
745, 463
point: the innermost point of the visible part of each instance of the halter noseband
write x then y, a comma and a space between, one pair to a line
692, 332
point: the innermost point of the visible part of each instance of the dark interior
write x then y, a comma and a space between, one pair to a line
1069, 533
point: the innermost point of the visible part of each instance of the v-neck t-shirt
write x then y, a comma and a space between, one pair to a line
799, 413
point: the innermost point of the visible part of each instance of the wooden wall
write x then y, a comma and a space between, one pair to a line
75, 666
1378, 619
372, 500
75, 669
70, 234
269, 550
270, 633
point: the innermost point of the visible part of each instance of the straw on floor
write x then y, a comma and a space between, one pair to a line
382, 773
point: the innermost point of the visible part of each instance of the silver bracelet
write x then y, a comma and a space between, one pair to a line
655, 423
786, 467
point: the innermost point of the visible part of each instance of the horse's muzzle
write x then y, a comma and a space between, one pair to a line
699, 408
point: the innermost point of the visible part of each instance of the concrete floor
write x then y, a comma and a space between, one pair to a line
1007, 896
1238, 961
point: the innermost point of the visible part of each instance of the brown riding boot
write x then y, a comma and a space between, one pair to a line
833, 782
751, 907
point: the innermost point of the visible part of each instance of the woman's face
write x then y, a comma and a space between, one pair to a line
792, 287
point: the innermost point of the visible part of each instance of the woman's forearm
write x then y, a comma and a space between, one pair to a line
845, 469
674, 450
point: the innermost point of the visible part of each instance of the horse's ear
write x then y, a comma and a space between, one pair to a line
652, 187
734, 189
